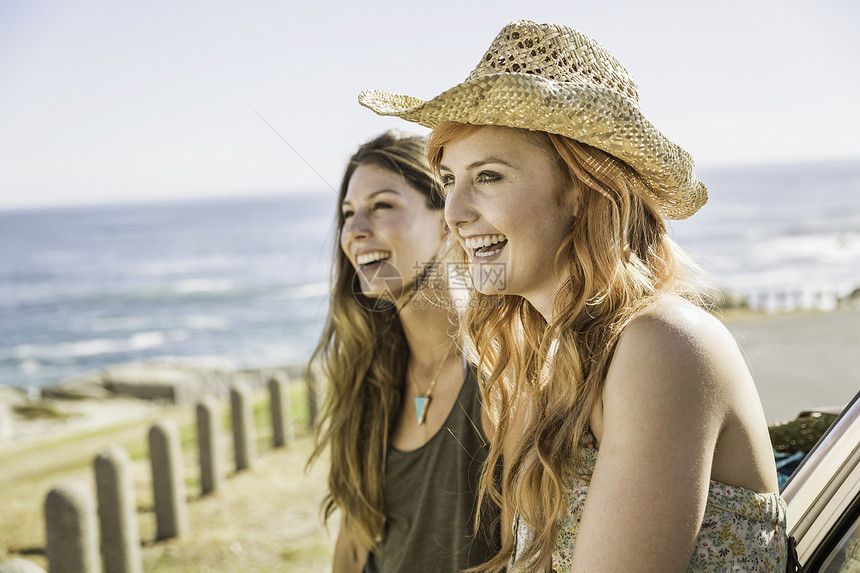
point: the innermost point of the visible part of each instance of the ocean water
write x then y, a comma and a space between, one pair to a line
241, 282
245, 281
783, 237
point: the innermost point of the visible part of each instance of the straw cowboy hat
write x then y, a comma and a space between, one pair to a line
544, 77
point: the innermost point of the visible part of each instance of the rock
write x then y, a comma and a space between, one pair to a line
85, 387
179, 383
145, 381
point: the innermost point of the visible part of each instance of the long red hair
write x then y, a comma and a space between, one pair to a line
618, 257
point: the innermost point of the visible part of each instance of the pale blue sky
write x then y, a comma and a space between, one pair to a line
105, 101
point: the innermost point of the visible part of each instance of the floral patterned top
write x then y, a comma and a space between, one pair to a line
742, 530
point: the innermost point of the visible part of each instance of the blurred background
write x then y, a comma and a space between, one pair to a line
167, 196
167, 169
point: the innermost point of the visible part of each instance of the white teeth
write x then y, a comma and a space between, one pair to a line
372, 257
484, 241
487, 253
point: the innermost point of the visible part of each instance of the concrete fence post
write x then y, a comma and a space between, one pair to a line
117, 510
244, 431
168, 484
283, 432
71, 545
208, 422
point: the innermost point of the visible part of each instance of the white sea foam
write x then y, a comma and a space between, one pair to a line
206, 322
308, 290
185, 265
193, 286
822, 248
29, 366
95, 347
144, 340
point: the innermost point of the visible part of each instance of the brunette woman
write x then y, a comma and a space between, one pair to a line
402, 421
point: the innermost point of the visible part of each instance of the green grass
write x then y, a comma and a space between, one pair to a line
263, 519
37, 411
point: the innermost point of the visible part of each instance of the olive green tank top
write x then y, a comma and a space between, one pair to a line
431, 498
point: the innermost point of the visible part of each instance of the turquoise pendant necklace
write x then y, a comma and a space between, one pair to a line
422, 402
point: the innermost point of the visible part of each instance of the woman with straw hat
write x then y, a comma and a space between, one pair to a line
632, 434
403, 420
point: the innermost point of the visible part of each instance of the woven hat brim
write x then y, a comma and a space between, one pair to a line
590, 114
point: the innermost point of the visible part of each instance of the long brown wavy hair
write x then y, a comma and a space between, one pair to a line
617, 257
362, 356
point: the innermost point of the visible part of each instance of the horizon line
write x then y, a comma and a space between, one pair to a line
270, 193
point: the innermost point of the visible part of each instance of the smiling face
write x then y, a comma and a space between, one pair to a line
508, 203
389, 233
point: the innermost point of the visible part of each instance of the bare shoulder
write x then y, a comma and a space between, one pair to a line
678, 351
678, 333
674, 322
679, 378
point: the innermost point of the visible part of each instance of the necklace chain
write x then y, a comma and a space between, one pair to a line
423, 401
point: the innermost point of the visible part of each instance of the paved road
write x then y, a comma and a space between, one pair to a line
801, 361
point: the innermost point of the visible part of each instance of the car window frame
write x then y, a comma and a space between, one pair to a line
821, 494
831, 541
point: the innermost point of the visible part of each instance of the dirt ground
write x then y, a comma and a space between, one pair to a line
267, 518
263, 519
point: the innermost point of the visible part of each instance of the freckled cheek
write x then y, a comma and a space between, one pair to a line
514, 221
